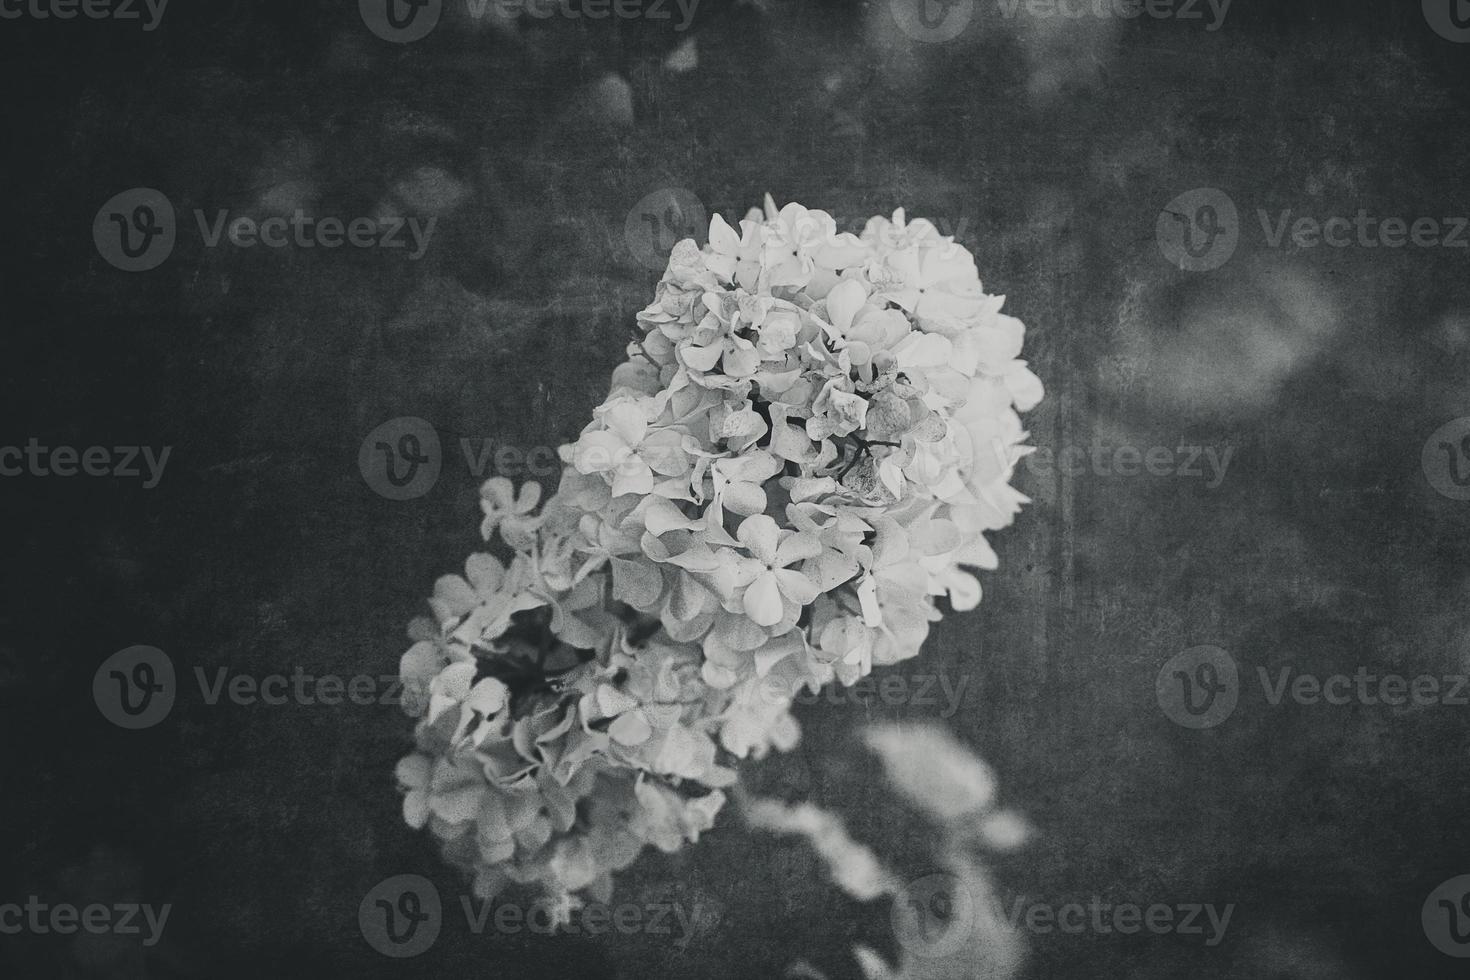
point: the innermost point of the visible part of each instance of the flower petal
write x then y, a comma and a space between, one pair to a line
453, 597
485, 573
598, 452
844, 302
744, 499
413, 771
631, 729
488, 697
612, 702
760, 535
701, 358
762, 601
628, 420
798, 547
796, 586
459, 805
721, 236
637, 583
416, 809
498, 492
632, 476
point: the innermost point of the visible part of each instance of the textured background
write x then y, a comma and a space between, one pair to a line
1050, 146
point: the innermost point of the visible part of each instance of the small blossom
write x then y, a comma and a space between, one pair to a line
773, 584
509, 512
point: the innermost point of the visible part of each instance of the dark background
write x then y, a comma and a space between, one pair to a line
1056, 144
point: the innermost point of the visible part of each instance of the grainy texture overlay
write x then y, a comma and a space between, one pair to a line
284, 282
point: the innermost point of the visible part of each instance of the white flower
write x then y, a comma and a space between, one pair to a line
629, 452
511, 513
773, 584
938, 285
805, 448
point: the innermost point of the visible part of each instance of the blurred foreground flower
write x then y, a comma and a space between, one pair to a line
948, 926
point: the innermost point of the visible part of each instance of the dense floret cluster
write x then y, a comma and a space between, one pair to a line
810, 438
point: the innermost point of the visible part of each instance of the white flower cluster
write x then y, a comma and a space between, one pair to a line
806, 446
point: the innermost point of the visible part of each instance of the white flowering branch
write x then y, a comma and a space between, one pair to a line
807, 445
